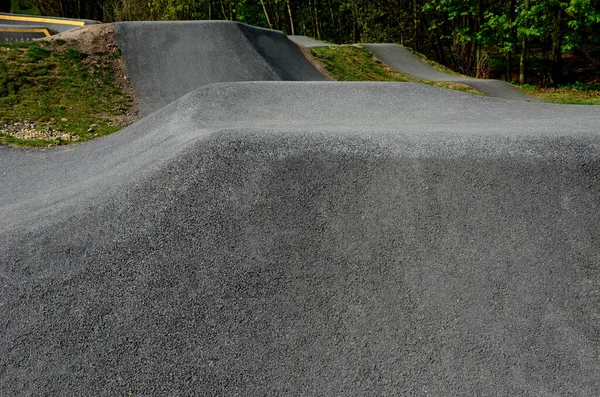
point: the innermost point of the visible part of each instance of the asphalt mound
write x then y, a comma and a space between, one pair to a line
308, 238
404, 61
308, 42
166, 60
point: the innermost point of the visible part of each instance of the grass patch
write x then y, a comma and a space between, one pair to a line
356, 63
434, 64
54, 95
575, 94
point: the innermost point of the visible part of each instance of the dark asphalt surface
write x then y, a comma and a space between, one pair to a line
278, 238
399, 58
308, 42
19, 33
170, 59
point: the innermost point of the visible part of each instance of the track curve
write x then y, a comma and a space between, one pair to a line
399, 58
308, 238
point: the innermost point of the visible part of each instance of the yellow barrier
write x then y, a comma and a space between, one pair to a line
25, 30
44, 20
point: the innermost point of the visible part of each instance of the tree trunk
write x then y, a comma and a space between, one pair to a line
511, 18
266, 13
318, 36
277, 16
415, 26
523, 61
556, 65
223, 10
478, 50
289, 8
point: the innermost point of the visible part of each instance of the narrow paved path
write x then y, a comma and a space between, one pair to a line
399, 58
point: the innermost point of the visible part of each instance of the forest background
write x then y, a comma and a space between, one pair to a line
538, 42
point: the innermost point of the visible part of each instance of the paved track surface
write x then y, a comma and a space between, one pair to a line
279, 238
308, 42
19, 33
18, 22
167, 60
403, 60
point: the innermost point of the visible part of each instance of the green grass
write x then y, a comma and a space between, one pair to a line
356, 63
434, 64
58, 88
575, 94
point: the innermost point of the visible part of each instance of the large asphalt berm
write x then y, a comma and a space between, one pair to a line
404, 61
170, 59
308, 239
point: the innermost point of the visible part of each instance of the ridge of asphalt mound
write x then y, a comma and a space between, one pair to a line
308, 42
399, 58
166, 60
276, 238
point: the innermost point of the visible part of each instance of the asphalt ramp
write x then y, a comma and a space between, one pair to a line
401, 59
166, 60
281, 238
308, 42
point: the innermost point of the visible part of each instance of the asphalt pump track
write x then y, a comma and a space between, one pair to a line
401, 59
308, 238
168, 60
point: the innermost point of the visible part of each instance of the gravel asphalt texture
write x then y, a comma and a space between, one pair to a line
308, 238
167, 60
399, 58
308, 42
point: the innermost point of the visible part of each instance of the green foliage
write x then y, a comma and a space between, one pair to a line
582, 86
356, 63
475, 37
23, 7
58, 90
36, 53
576, 94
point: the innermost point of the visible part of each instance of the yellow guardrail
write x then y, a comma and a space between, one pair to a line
46, 32
44, 20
